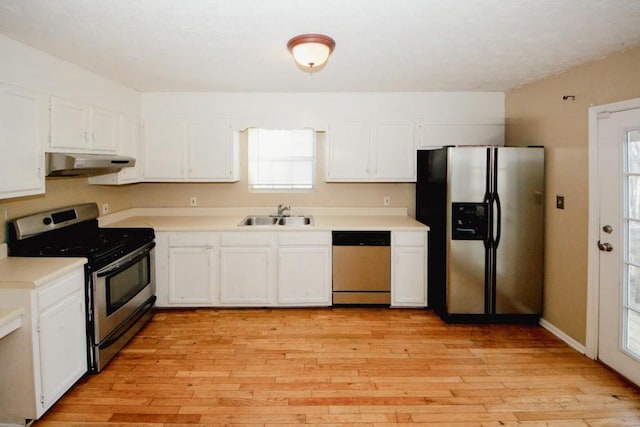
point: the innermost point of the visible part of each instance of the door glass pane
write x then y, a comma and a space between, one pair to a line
631, 291
633, 338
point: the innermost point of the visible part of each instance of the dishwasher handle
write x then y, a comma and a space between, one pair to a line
361, 238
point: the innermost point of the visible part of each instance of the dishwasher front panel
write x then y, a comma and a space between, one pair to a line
361, 275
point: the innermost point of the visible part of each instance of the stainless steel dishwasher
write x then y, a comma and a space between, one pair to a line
361, 267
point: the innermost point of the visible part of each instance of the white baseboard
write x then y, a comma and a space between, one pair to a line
564, 337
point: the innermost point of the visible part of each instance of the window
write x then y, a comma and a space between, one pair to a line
281, 159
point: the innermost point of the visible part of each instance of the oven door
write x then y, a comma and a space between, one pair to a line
123, 297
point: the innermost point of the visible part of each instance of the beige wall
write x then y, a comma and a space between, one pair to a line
536, 114
238, 194
63, 192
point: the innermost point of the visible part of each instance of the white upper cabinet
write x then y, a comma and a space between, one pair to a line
198, 151
130, 145
394, 149
474, 132
105, 129
348, 151
163, 147
212, 151
78, 127
22, 116
377, 151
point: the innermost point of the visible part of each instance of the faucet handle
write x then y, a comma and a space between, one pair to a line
282, 208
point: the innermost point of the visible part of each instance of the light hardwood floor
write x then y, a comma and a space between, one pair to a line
337, 366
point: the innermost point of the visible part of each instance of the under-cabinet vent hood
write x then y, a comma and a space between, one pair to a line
74, 164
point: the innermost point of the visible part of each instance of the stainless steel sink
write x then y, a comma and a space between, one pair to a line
268, 220
260, 220
295, 221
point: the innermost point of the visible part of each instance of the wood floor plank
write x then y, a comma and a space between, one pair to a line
361, 366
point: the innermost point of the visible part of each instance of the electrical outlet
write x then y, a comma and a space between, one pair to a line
386, 201
193, 201
105, 208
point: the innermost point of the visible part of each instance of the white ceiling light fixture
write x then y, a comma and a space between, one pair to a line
311, 51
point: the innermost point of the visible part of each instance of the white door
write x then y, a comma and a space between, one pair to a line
619, 242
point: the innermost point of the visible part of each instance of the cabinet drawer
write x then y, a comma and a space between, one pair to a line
304, 238
193, 240
247, 239
60, 288
408, 238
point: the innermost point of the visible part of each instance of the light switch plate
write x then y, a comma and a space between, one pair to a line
559, 202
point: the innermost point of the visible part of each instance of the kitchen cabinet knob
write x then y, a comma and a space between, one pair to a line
605, 247
607, 229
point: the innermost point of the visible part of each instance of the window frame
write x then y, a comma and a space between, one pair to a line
313, 158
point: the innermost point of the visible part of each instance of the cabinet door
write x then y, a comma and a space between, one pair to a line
164, 150
63, 347
394, 149
246, 275
348, 151
69, 125
191, 276
408, 275
131, 146
21, 162
211, 151
105, 130
304, 276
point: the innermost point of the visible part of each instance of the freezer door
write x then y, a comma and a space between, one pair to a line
467, 177
519, 236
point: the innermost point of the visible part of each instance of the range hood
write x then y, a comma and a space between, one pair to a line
75, 164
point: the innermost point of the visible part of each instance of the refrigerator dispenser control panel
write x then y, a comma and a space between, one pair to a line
469, 221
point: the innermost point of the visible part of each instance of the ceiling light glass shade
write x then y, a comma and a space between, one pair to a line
311, 50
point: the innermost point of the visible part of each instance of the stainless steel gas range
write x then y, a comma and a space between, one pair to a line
119, 276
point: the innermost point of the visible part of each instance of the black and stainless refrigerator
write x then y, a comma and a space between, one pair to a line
485, 210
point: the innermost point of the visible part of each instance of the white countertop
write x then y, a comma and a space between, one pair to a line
226, 220
24, 272
10, 320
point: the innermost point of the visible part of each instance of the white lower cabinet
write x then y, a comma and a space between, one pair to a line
247, 269
48, 354
304, 269
187, 266
191, 275
243, 269
409, 269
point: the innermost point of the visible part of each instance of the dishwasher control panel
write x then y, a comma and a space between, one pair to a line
361, 238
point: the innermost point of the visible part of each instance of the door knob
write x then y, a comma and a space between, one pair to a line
605, 247
607, 229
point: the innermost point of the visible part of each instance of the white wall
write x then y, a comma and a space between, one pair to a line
315, 109
20, 65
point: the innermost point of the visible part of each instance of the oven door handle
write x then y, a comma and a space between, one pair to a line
127, 262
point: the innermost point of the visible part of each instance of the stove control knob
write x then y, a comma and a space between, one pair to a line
46, 220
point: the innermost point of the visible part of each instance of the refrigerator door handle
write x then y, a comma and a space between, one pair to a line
498, 220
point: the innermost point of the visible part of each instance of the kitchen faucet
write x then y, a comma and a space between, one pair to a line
282, 208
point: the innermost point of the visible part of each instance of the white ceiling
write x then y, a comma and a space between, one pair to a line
381, 45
